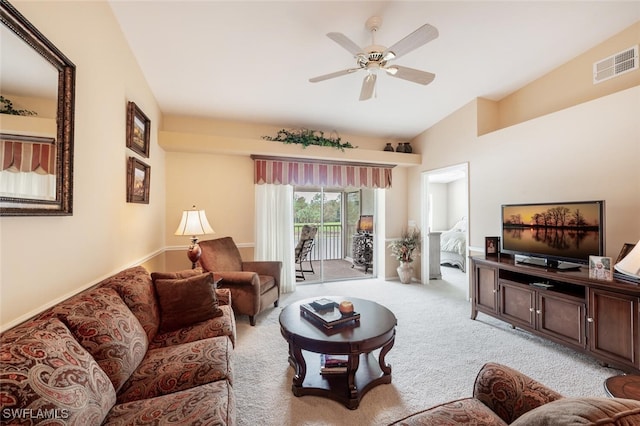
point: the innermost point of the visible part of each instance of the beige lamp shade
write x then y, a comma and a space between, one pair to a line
630, 264
194, 222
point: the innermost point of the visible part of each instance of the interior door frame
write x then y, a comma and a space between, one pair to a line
426, 210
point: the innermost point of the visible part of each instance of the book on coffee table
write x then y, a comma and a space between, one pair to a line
333, 364
328, 318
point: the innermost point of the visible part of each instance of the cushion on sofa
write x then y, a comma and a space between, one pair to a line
185, 273
135, 287
186, 301
224, 325
510, 393
584, 411
107, 329
175, 368
467, 411
45, 368
210, 404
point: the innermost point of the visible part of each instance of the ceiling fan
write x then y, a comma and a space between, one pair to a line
375, 57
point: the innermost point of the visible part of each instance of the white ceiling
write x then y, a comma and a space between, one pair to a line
251, 61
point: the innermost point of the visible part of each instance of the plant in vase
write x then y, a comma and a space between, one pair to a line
405, 249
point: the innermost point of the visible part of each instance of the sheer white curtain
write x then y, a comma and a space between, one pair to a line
274, 230
39, 186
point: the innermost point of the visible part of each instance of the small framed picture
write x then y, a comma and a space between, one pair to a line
491, 246
626, 249
138, 130
600, 268
138, 178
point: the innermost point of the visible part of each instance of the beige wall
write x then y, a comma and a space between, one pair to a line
587, 152
218, 177
569, 84
44, 259
561, 139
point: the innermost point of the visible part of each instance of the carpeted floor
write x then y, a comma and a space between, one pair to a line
437, 353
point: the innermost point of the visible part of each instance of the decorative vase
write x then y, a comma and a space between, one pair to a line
388, 147
405, 272
400, 147
407, 148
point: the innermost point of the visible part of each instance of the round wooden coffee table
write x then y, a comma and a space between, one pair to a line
623, 386
358, 340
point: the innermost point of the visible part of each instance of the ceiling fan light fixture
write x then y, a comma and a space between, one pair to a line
388, 55
391, 70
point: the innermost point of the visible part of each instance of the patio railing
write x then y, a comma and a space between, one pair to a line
329, 241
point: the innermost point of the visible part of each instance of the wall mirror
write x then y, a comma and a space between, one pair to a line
37, 85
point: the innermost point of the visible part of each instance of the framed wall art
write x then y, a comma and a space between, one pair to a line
138, 179
138, 130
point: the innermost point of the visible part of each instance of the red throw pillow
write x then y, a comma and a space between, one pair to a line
186, 301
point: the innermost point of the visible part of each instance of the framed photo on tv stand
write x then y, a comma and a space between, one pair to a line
492, 246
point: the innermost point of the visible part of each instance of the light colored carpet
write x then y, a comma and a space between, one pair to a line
437, 353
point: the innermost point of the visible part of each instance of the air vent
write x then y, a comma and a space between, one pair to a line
615, 65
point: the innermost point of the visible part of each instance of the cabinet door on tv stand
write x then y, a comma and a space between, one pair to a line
562, 318
517, 304
485, 290
613, 326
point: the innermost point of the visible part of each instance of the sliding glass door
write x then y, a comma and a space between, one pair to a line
334, 213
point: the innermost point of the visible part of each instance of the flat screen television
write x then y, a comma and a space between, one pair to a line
553, 235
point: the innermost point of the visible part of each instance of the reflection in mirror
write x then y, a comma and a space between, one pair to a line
27, 167
36, 121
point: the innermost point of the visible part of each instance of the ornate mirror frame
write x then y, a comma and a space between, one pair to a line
63, 203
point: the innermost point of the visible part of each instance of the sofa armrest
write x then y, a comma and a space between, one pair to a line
224, 296
509, 393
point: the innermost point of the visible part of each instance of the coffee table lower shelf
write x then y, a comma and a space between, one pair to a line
336, 386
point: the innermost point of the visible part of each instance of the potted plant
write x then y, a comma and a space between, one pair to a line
405, 249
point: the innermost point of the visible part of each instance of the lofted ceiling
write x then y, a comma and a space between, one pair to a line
251, 61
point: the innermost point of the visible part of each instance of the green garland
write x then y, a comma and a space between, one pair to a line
306, 137
6, 107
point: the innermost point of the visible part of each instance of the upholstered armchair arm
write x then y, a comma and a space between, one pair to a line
265, 267
247, 278
224, 296
509, 393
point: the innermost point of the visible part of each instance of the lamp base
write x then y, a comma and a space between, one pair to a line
193, 252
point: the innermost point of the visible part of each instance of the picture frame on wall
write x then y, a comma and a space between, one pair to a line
138, 180
138, 130
600, 268
491, 246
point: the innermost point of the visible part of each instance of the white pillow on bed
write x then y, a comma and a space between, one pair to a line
460, 225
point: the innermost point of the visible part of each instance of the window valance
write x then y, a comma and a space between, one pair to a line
20, 154
303, 172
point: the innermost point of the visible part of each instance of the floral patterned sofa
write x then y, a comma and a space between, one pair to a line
137, 348
504, 396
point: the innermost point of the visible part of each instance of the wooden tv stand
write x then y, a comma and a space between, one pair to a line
600, 318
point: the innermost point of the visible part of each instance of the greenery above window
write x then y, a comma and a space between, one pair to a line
306, 137
6, 107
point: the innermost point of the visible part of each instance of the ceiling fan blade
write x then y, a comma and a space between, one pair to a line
368, 85
345, 42
419, 37
333, 75
410, 74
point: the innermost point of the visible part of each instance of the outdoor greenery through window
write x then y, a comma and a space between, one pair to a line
335, 213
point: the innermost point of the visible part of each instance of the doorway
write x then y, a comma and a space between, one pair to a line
445, 207
335, 213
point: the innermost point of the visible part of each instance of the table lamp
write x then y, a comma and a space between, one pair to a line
630, 264
194, 222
